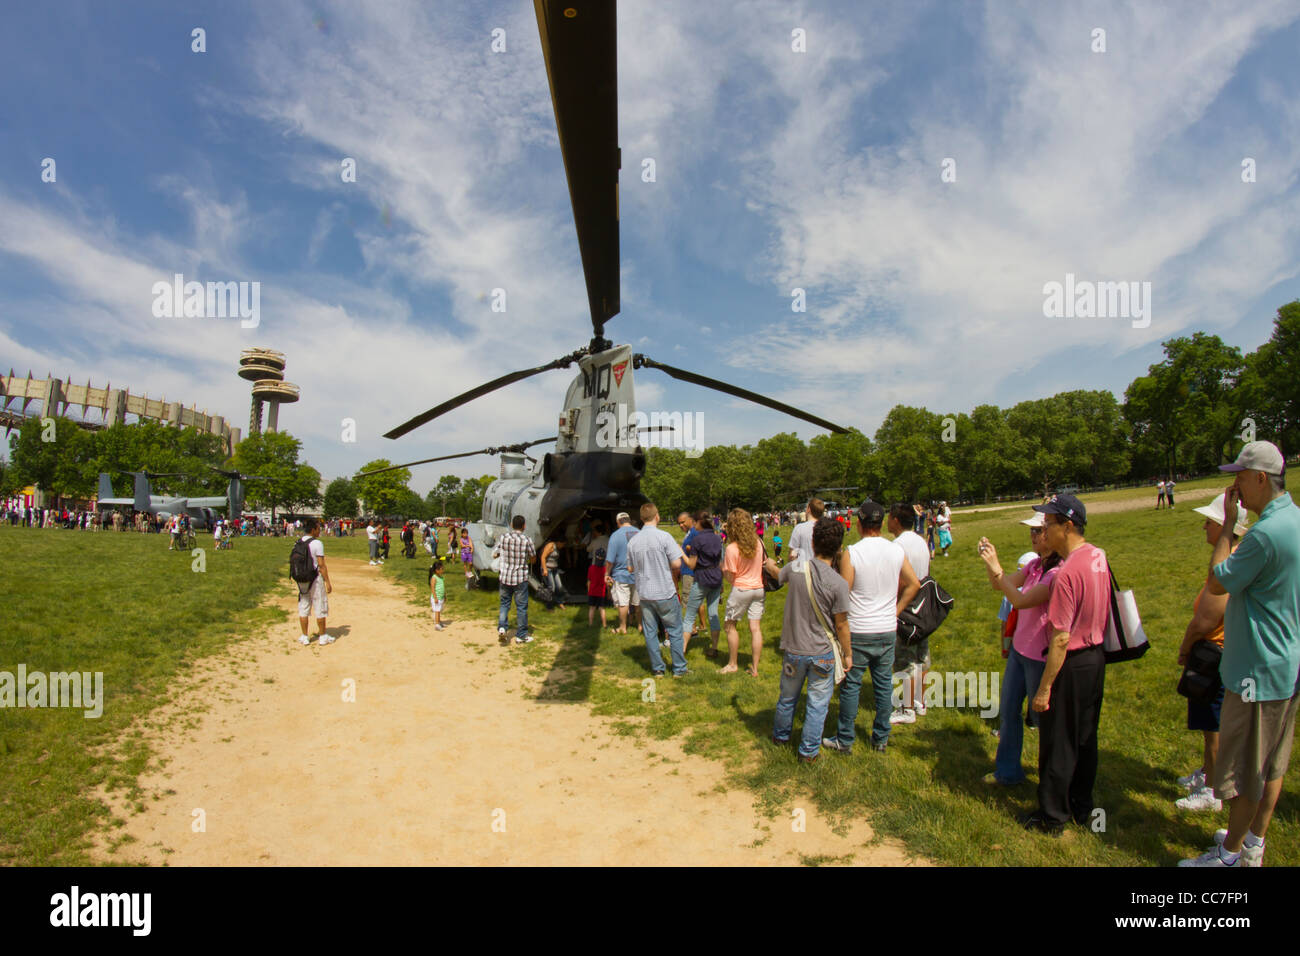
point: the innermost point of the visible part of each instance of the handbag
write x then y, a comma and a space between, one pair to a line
770, 581
835, 645
1200, 681
1125, 639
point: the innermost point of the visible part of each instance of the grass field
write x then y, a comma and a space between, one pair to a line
123, 605
928, 790
120, 604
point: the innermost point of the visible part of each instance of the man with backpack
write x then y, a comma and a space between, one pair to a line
307, 568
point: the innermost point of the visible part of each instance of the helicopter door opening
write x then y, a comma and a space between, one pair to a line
577, 539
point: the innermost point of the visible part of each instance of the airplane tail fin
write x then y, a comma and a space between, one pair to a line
141, 491
105, 486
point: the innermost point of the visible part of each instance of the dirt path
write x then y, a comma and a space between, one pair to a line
441, 759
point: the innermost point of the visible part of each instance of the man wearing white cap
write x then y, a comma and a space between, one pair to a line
1261, 652
1206, 625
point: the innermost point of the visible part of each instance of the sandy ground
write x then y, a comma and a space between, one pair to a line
442, 758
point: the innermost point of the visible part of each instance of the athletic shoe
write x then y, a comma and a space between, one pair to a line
921, 710
526, 639
904, 716
1212, 857
833, 744
879, 748
1194, 780
992, 780
1201, 799
304, 639
439, 627
1250, 855
373, 563
657, 673
502, 638
682, 674
812, 759
327, 639
1040, 824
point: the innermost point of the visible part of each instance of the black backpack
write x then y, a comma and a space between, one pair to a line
925, 612
301, 567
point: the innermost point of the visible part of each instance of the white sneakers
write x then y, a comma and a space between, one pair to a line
1250, 855
905, 715
921, 709
327, 639
373, 563
1194, 780
1200, 799
304, 639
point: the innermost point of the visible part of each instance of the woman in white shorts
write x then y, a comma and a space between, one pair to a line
742, 566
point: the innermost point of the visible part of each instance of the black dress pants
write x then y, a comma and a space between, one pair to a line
1067, 738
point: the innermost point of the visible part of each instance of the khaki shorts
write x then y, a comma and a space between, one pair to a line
741, 604
312, 602
624, 594
1254, 745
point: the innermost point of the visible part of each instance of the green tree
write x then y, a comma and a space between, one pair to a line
56, 455
340, 499
381, 494
911, 456
274, 455
1270, 385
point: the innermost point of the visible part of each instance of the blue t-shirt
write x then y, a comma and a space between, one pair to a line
686, 543
616, 554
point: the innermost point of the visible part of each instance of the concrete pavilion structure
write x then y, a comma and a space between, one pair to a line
265, 369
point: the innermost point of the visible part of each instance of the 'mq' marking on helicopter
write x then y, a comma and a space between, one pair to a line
617, 427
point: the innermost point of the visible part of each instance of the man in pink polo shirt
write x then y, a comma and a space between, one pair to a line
1069, 695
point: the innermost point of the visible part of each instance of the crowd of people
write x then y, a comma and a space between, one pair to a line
1246, 618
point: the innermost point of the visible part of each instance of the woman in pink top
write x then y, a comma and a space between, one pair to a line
1028, 591
742, 566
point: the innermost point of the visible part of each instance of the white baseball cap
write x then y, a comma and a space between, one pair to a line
1214, 511
1036, 521
1025, 559
1259, 456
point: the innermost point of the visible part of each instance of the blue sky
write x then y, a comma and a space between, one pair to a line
774, 170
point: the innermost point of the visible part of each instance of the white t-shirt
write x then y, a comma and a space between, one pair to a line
873, 599
371, 533
801, 540
917, 551
316, 548
216, 529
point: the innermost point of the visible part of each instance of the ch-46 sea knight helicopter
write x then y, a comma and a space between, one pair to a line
595, 470
200, 509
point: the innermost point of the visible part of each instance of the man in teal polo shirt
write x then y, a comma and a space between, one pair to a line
1261, 653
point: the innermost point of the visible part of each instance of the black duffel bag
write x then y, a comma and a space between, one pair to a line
925, 612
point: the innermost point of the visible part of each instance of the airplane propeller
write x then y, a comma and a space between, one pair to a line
232, 475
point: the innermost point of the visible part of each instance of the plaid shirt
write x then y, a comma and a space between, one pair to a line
517, 552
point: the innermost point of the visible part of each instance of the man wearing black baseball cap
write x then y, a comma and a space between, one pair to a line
881, 583
1069, 695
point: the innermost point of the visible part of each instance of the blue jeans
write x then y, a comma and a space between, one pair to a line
1019, 680
708, 597
519, 592
556, 585
820, 672
877, 652
667, 612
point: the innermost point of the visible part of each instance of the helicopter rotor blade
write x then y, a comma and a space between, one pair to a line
644, 360
480, 391
464, 454
580, 46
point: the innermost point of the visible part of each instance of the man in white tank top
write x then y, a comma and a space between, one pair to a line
881, 583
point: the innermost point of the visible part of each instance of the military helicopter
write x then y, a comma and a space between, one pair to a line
596, 468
